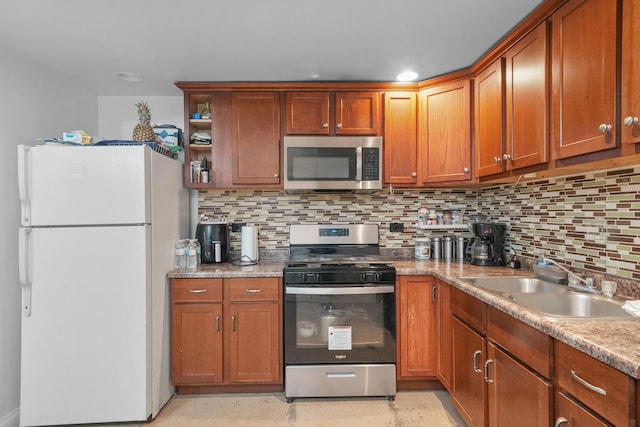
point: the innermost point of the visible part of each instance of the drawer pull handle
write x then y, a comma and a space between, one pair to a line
486, 371
233, 323
341, 374
560, 420
253, 291
475, 362
218, 323
197, 291
587, 384
434, 298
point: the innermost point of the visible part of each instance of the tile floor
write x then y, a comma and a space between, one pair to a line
410, 409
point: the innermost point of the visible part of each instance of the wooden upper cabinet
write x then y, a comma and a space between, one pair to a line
332, 113
527, 105
357, 113
255, 135
584, 77
489, 119
307, 113
445, 132
630, 94
400, 138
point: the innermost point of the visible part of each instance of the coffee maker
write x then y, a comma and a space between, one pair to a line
488, 244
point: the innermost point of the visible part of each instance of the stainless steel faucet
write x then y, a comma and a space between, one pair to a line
589, 285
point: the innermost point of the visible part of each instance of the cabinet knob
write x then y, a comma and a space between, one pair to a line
325, 125
275, 175
497, 160
465, 170
561, 420
604, 128
339, 125
506, 156
414, 174
630, 121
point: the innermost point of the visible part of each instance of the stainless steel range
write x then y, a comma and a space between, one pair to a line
339, 313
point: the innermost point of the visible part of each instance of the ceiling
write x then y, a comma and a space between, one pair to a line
165, 41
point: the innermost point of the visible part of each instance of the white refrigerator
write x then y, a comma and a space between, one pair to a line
99, 227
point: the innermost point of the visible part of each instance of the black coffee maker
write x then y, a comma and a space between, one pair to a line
214, 241
488, 244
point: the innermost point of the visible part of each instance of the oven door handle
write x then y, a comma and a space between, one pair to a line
348, 290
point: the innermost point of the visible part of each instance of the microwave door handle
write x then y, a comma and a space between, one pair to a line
359, 164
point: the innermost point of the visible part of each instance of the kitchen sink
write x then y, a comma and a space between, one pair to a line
571, 305
515, 284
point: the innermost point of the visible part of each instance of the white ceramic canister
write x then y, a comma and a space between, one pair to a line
422, 248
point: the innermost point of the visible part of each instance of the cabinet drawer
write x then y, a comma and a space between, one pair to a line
196, 290
598, 386
254, 289
469, 309
526, 343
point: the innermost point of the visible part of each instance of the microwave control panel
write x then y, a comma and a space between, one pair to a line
370, 164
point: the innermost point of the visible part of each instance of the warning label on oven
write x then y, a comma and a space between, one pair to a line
339, 337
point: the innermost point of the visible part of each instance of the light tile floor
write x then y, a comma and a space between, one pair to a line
410, 409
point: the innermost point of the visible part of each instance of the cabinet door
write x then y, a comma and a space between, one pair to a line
630, 94
584, 77
445, 132
196, 343
469, 391
357, 113
256, 137
307, 113
255, 344
445, 335
527, 139
517, 396
489, 119
417, 351
571, 414
400, 139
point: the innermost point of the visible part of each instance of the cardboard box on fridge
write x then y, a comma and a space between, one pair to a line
168, 135
77, 137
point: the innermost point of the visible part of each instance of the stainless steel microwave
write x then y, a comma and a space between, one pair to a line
332, 163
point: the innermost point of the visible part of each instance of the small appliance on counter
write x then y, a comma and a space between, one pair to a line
488, 244
249, 252
214, 241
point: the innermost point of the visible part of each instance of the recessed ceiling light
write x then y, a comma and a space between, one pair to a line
128, 76
314, 76
407, 76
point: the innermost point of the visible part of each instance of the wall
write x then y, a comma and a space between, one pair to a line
35, 103
590, 221
118, 115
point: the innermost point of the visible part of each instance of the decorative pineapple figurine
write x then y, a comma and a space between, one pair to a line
143, 132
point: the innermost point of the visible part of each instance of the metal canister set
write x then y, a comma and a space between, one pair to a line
445, 247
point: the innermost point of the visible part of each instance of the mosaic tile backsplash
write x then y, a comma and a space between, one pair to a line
590, 221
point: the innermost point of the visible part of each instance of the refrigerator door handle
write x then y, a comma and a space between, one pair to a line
23, 185
23, 269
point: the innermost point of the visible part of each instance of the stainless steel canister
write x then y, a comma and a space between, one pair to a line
436, 249
461, 248
447, 247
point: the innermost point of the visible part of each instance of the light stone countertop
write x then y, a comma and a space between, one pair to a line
616, 343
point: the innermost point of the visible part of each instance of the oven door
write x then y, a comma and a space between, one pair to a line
339, 324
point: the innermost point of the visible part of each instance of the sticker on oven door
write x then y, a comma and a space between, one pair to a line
339, 337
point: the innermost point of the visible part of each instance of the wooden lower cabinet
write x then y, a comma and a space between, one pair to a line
594, 386
572, 414
517, 395
226, 335
444, 334
501, 377
416, 329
